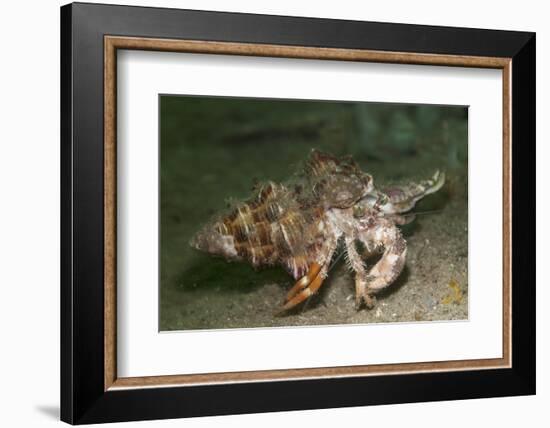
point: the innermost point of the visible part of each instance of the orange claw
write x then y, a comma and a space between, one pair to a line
304, 281
304, 294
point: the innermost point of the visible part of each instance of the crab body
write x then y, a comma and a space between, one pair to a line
300, 224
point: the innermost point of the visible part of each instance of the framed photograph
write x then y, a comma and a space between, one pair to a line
266, 213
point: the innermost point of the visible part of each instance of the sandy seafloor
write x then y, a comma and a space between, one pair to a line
213, 150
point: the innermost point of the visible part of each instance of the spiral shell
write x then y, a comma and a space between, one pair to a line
283, 223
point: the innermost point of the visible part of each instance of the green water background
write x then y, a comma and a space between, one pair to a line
213, 150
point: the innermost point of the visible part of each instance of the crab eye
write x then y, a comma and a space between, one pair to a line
358, 211
367, 181
370, 199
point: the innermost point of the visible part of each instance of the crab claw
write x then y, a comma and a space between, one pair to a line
403, 198
435, 183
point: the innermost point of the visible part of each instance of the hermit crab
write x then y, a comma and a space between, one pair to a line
300, 225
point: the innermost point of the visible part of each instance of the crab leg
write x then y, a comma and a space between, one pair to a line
390, 265
304, 281
310, 283
356, 263
307, 291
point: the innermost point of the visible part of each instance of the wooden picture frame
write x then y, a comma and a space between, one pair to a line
91, 391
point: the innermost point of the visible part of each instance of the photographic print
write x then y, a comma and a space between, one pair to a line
300, 212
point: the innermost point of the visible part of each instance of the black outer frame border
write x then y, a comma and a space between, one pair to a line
83, 399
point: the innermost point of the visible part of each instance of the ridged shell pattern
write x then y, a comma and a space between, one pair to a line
283, 223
